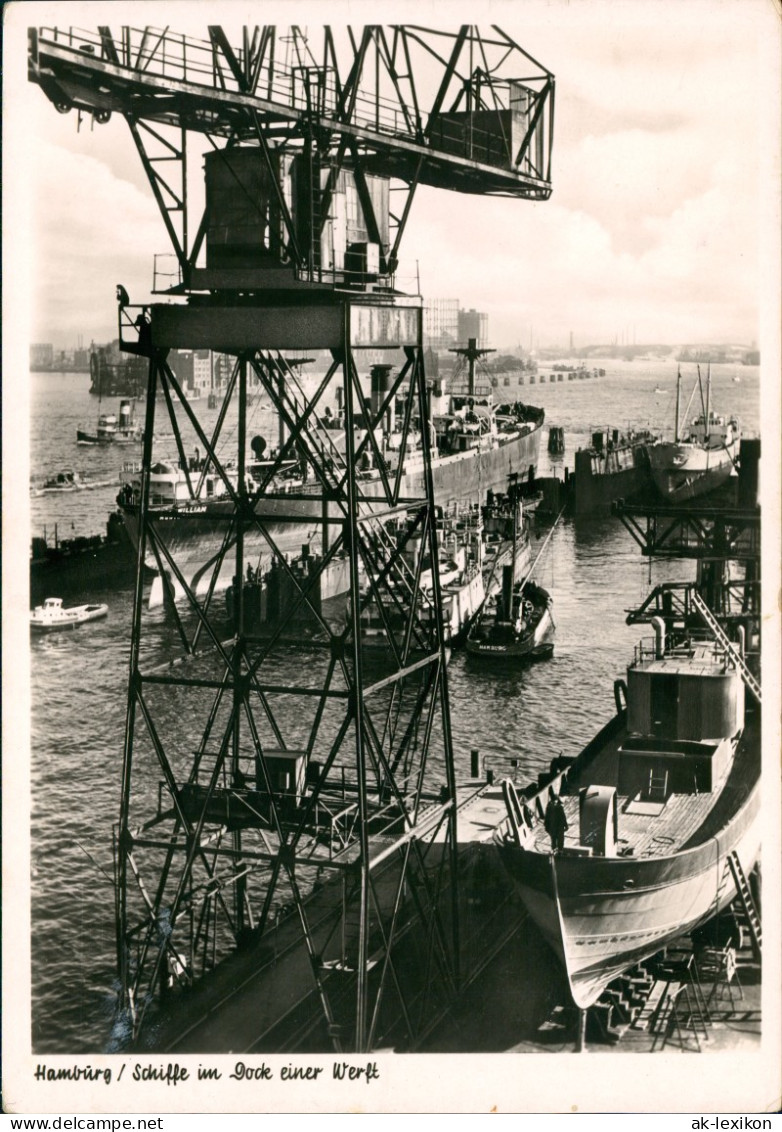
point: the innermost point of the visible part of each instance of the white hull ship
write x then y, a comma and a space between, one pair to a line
698, 461
479, 449
53, 617
662, 809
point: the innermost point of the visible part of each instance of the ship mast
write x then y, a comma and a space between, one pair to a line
472, 352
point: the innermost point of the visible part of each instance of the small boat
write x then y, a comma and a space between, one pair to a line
661, 814
62, 482
51, 616
69, 481
700, 459
113, 430
657, 389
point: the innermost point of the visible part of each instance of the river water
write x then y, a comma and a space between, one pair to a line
592, 568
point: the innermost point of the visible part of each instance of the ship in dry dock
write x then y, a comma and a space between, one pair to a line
615, 465
661, 809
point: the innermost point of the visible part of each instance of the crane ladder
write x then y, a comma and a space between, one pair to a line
721, 636
748, 904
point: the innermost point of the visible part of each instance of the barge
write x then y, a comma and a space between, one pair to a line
614, 466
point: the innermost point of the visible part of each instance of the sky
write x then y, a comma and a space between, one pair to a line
660, 227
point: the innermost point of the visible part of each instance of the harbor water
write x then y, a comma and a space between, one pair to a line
522, 714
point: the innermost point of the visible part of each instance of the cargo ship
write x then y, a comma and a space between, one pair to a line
661, 815
480, 448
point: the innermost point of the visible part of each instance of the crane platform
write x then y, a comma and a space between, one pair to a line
263, 998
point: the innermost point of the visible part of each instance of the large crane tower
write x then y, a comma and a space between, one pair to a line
288, 802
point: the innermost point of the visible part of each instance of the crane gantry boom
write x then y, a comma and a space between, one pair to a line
460, 111
486, 130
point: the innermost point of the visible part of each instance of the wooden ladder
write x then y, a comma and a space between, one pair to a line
748, 904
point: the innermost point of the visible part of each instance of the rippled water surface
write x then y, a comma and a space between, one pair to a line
592, 568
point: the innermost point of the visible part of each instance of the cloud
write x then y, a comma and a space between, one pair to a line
91, 230
652, 220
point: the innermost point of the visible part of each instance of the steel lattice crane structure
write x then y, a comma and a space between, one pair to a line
288, 801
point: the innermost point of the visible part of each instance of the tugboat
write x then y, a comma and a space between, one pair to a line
518, 623
661, 813
110, 430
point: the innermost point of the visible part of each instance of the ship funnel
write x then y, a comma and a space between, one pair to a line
507, 591
659, 637
380, 383
124, 414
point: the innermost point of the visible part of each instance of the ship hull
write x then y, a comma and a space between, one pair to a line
684, 471
194, 533
603, 915
82, 566
537, 645
600, 482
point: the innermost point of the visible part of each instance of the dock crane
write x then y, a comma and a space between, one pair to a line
286, 850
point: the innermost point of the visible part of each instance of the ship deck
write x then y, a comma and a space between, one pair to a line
657, 828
